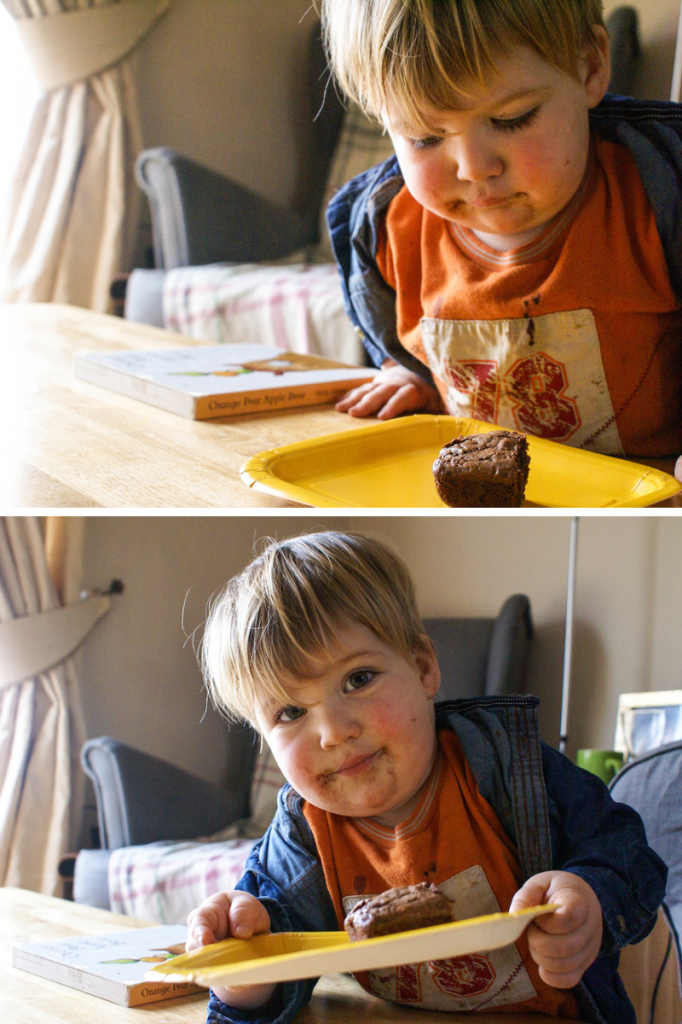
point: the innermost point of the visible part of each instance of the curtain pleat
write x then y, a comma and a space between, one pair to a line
41, 729
74, 207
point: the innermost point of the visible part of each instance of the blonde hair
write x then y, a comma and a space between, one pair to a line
271, 622
412, 52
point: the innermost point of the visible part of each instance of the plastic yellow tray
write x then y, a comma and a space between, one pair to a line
388, 465
289, 956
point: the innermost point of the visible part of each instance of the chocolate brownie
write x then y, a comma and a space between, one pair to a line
398, 910
483, 470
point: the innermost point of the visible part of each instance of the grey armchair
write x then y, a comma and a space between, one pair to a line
142, 799
200, 217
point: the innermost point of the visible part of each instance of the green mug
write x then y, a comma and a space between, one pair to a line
604, 763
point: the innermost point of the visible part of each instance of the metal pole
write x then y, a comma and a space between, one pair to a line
568, 639
676, 87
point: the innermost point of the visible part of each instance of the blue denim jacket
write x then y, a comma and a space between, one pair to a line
557, 815
652, 131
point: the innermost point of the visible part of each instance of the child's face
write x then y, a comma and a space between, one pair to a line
359, 738
513, 156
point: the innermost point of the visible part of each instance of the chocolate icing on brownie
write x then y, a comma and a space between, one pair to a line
483, 470
398, 910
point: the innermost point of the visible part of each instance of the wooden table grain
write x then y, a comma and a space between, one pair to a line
28, 999
66, 443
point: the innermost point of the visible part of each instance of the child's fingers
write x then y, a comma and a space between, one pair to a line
563, 959
209, 922
408, 398
354, 397
564, 972
248, 916
565, 943
368, 400
532, 893
199, 935
234, 913
574, 898
576, 943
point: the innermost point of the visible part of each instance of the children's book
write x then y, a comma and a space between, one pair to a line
207, 381
112, 965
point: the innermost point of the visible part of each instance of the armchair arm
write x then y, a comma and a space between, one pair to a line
143, 799
200, 216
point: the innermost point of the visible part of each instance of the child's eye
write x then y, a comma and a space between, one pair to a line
427, 143
289, 714
358, 680
512, 124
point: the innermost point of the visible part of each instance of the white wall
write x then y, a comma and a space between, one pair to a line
217, 81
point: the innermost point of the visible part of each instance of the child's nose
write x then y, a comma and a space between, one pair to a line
476, 160
336, 727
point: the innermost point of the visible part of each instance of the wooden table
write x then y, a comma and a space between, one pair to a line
67, 443
28, 999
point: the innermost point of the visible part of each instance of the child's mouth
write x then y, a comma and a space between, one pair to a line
356, 765
487, 202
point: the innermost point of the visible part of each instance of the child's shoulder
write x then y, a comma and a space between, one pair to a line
652, 132
616, 112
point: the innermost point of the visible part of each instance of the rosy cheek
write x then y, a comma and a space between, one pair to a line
538, 164
388, 721
532, 163
294, 764
433, 186
423, 181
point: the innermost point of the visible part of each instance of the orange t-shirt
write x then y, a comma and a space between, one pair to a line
575, 336
454, 839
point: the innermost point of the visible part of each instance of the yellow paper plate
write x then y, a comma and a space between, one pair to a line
289, 956
388, 465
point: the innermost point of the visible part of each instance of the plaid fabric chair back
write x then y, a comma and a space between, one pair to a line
362, 144
652, 784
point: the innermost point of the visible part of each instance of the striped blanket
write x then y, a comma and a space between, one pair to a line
163, 881
297, 307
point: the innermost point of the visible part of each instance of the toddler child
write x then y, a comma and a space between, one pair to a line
319, 646
520, 260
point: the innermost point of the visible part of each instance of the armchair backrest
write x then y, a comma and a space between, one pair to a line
484, 656
138, 795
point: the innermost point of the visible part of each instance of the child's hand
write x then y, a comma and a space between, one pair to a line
237, 914
678, 469
565, 943
393, 391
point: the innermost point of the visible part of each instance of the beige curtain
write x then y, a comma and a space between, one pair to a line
74, 206
41, 720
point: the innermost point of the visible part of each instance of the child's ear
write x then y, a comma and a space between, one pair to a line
427, 665
596, 67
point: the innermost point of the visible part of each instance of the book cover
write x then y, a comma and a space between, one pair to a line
111, 965
208, 381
